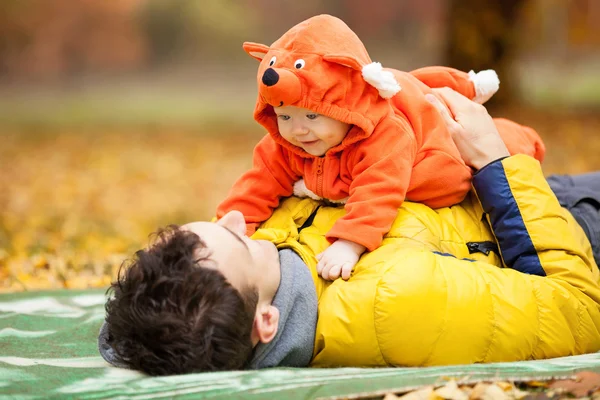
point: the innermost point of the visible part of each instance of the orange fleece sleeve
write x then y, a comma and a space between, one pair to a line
257, 192
381, 170
439, 77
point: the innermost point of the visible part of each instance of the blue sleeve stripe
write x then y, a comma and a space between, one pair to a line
507, 222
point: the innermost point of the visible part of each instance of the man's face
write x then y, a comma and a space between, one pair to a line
244, 262
313, 132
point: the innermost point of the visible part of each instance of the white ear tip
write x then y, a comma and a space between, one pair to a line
486, 84
383, 81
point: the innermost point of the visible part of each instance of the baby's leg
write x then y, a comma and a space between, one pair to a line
479, 87
520, 139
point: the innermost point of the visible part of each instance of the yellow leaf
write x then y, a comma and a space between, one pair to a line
494, 392
451, 391
425, 393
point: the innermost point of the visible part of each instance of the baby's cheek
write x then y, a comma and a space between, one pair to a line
284, 134
333, 139
292, 141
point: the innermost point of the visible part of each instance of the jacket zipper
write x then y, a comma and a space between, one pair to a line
320, 162
483, 247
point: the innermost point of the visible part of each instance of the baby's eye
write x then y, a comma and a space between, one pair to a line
312, 116
299, 63
272, 62
283, 117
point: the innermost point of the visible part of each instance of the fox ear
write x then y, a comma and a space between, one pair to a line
256, 50
343, 60
373, 73
382, 80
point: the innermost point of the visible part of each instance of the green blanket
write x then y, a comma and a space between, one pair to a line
48, 350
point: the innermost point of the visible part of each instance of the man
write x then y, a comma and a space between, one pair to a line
205, 297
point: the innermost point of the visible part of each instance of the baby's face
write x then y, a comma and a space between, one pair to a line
313, 132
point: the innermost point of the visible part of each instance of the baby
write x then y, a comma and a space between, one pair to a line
342, 128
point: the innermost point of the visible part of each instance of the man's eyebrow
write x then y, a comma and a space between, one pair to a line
239, 239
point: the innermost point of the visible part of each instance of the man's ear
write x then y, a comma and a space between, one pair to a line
256, 50
266, 323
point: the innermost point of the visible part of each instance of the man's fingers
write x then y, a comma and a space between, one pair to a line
443, 110
453, 126
319, 256
439, 106
455, 101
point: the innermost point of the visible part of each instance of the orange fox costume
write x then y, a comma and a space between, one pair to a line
398, 147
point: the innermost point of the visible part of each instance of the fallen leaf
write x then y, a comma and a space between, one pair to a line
421, 394
583, 384
478, 391
506, 386
451, 391
538, 396
494, 392
3, 254
539, 384
519, 394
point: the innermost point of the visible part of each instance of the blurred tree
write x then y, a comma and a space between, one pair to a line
482, 35
584, 20
403, 34
49, 39
191, 29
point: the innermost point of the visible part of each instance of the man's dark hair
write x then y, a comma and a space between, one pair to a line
170, 314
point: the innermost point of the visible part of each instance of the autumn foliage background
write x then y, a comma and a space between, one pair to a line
117, 117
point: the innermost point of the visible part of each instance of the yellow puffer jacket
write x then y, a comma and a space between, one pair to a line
426, 297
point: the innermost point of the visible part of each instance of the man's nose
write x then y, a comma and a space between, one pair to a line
235, 222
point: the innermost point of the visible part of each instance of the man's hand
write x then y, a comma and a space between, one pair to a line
339, 259
471, 128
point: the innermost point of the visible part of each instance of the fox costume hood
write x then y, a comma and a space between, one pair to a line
398, 146
318, 65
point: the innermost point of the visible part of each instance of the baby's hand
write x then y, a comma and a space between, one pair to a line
339, 259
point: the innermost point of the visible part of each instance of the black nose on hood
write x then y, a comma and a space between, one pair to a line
270, 77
